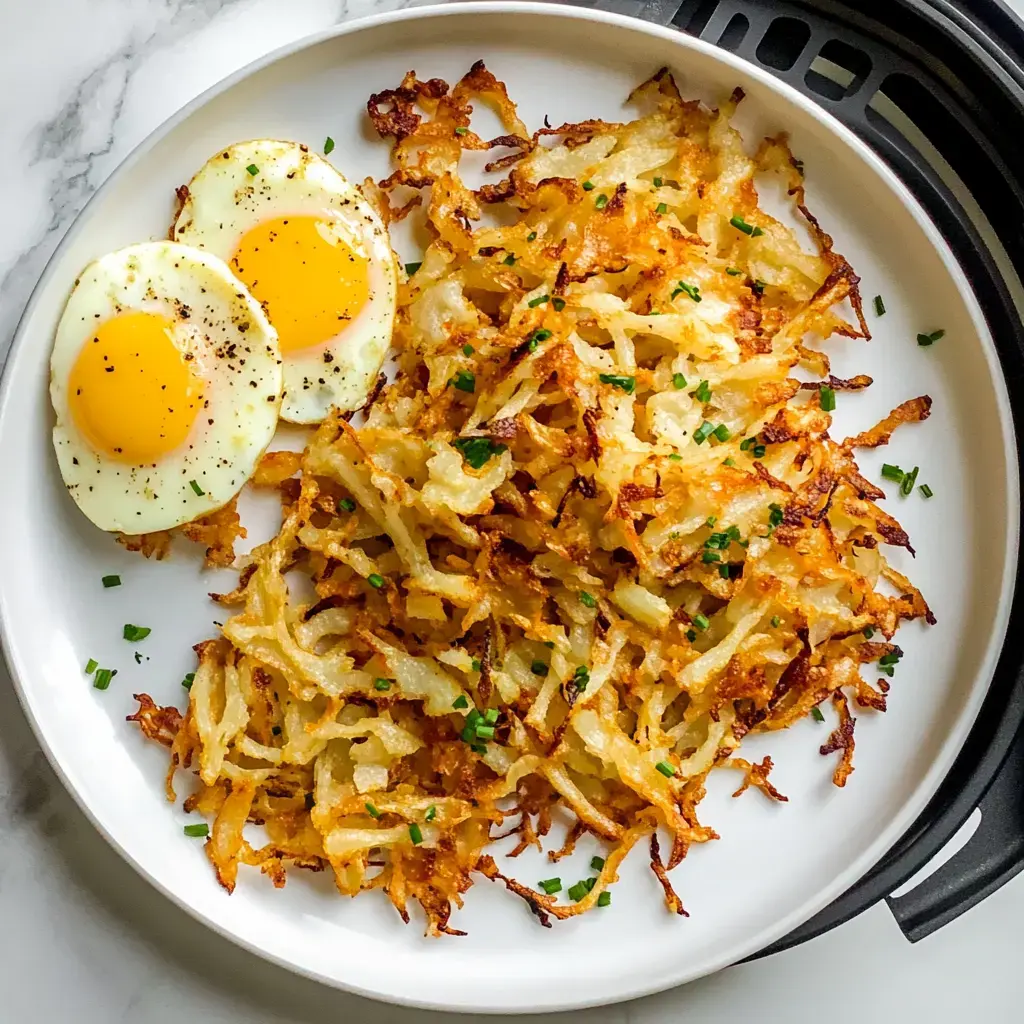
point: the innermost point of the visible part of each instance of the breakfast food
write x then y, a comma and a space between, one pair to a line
592, 535
165, 378
314, 252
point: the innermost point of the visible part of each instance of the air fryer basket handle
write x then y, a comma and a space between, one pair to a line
992, 856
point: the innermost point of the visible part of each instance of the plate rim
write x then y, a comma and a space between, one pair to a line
686, 43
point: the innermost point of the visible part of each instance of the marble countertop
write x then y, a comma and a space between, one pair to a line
83, 937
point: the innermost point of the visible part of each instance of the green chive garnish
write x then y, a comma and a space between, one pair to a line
415, 834
733, 271
926, 491
253, 169
776, 622
464, 381
467, 350
588, 186
604, 899
661, 208
722, 432
90, 666
558, 304
382, 684
328, 145
929, 339
195, 487
111, 581
711, 556
371, 810
577, 892
551, 885
678, 381
891, 472
509, 260
537, 337
618, 380
689, 289
741, 225
703, 432
827, 398
666, 769
907, 487
197, 831
460, 702
879, 306
347, 504
477, 450
816, 712
411, 268
135, 633
476, 665
431, 813
375, 580
538, 668
710, 521
532, 236
491, 716
539, 301
889, 659
869, 632
601, 202
701, 621
461, 131
691, 635
190, 678
588, 599
597, 863
775, 514
485, 732
703, 392
657, 182
676, 457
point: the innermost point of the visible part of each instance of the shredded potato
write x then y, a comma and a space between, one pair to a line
592, 535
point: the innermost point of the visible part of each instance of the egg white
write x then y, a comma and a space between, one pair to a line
235, 352
225, 201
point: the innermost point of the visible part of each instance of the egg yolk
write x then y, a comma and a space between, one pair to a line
310, 282
133, 393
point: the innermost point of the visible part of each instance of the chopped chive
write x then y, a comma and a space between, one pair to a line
485, 732
111, 581
657, 182
551, 885
926, 491
889, 659
588, 186
460, 702
135, 633
538, 668
90, 666
678, 381
827, 398
691, 635
558, 304
549, 644
532, 236
891, 472
601, 202
347, 504
722, 432
415, 834
491, 716
666, 769
468, 350
464, 380
748, 229
190, 678
879, 305
661, 208
775, 514
928, 339
710, 556
197, 831
476, 665
676, 457
733, 271
701, 621
382, 684
253, 169
887, 670
733, 533
758, 286
328, 145
196, 488
411, 268
703, 432
816, 712
539, 301
747, 444
690, 289
509, 260
703, 392
759, 451
474, 718
604, 899
581, 677
597, 863
618, 380
577, 892
710, 521
869, 632
537, 337
588, 600
907, 487
371, 810
589, 883
776, 622
431, 813
461, 131
478, 748
375, 580
468, 734
725, 570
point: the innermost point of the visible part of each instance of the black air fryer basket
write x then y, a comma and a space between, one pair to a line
936, 89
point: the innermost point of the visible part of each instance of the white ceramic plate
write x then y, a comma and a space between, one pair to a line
775, 865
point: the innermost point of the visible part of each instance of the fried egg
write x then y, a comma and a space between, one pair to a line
313, 252
165, 378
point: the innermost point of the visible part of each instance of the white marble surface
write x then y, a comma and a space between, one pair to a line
82, 937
